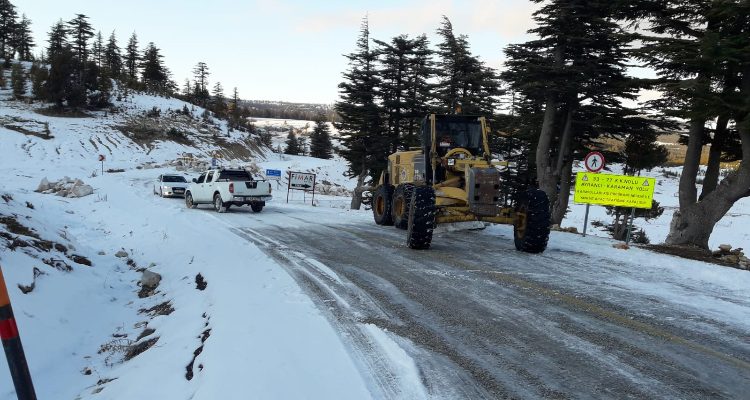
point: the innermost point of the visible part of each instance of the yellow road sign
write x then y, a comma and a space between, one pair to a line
614, 190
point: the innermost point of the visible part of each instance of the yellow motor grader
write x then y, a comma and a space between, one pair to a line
452, 177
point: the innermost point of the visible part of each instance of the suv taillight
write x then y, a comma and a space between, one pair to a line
231, 188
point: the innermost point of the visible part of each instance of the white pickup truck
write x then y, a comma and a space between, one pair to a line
225, 187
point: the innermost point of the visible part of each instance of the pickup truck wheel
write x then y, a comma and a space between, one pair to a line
219, 204
256, 207
189, 200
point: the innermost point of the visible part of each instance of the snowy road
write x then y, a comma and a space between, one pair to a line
484, 321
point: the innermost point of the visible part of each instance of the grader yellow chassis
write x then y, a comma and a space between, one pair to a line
453, 178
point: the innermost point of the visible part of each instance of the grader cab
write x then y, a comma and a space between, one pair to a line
452, 177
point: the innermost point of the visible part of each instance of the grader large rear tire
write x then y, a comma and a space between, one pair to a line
421, 218
531, 228
401, 202
381, 205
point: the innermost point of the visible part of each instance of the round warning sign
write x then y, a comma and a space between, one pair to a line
594, 161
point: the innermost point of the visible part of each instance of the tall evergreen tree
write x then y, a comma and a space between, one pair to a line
320, 139
154, 74
201, 74
187, 90
570, 81
24, 41
218, 102
701, 51
8, 28
97, 50
62, 86
366, 148
404, 72
57, 40
292, 144
39, 77
81, 32
113, 57
463, 79
235, 109
132, 58
18, 81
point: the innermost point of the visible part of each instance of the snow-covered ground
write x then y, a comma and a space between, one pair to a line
251, 332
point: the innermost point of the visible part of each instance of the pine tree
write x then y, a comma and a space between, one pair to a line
39, 76
24, 41
62, 86
97, 50
154, 74
292, 144
320, 139
218, 101
404, 71
463, 79
18, 81
8, 28
80, 31
132, 58
201, 74
366, 148
187, 90
113, 57
700, 51
570, 81
235, 109
57, 40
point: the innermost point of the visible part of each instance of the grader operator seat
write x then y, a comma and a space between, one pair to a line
451, 132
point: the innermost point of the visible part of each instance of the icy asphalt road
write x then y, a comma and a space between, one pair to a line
482, 320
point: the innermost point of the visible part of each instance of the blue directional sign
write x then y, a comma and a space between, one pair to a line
274, 174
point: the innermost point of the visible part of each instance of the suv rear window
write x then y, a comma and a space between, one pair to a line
234, 175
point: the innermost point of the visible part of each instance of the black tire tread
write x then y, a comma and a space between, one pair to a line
386, 193
405, 190
537, 232
421, 218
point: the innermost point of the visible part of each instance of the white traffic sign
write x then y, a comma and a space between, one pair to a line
594, 161
301, 180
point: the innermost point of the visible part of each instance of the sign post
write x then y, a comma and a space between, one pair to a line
301, 181
102, 158
594, 162
19, 369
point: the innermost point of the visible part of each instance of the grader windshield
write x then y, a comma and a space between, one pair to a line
453, 131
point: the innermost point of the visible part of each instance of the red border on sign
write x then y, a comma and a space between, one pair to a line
586, 161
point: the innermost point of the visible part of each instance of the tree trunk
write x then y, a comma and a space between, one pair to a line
560, 208
544, 172
693, 223
688, 193
357, 195
714, 157
544, 167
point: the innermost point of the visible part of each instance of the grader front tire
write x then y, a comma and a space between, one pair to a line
421, 218
531, 228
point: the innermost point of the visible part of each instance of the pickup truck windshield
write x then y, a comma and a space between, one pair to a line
168, 178
234, 175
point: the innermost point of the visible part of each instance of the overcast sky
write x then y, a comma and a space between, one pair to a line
290, 50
